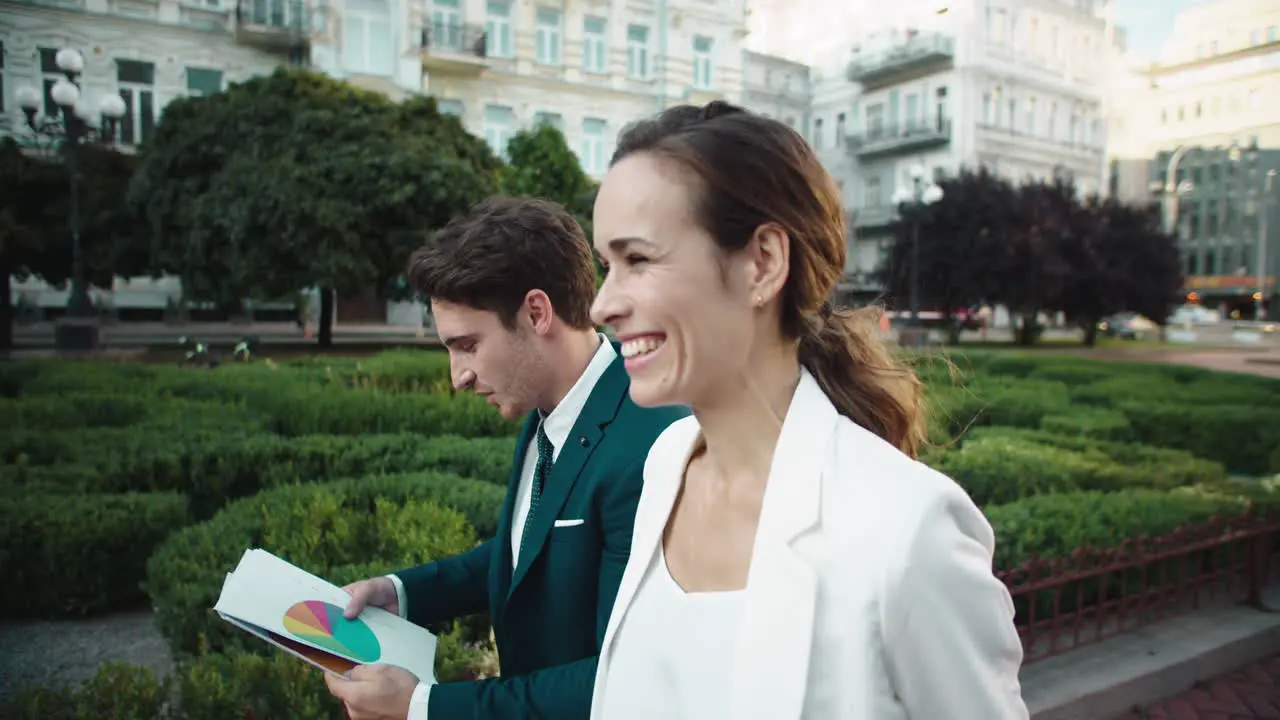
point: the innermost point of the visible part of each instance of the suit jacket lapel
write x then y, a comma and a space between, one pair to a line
600, 410
500, 568
773, 667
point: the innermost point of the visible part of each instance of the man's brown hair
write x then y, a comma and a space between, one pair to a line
503, 247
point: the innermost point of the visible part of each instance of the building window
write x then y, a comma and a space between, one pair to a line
638, 52
913, 111
497, 28
446, 25
1271, 34
499, 126
702, 62
202, 82
449, 107
1030, 125
49, 74
1255, 37
136, 83
551, 119
547, 48
2, 105
840, 130
592, 148
986, 108
367, 38
871, 193
1052, 133
593, 45
997, 21
875, 121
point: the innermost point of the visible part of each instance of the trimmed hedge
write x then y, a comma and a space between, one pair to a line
75, 554
354, 467
213, 469
343, 531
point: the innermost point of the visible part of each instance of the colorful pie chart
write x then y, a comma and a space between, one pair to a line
322, 624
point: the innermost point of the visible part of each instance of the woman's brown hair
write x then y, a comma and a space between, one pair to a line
750, 171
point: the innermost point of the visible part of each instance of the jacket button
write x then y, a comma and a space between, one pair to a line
583, 441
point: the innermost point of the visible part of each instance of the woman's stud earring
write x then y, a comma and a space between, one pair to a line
759, 301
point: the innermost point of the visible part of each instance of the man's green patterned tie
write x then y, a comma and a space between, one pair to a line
540, 472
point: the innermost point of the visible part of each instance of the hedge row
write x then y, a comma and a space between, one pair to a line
1002, 464
343, 531
1231, 419
228, 685
214, 468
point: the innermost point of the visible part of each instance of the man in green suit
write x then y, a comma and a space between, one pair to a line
511, 286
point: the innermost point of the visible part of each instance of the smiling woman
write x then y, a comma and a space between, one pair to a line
791, 558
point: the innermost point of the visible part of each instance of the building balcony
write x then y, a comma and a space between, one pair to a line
873, 216
454, 48
920, 55
273, 25
907, 137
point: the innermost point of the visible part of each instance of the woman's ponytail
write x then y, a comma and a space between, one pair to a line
861, 376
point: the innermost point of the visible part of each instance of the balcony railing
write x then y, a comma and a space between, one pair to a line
904, 137
272, 23
923, 52
874, 215
1091, 595
454, 46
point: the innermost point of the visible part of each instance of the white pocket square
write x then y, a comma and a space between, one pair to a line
569, 523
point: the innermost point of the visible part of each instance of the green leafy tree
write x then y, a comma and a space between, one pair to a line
35, 230
541, 164
295, 180
960, 237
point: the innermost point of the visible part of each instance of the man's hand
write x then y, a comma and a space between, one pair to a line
374, 692
377, 592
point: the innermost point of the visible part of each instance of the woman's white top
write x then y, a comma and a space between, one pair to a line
676, 659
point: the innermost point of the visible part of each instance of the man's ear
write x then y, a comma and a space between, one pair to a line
537, 307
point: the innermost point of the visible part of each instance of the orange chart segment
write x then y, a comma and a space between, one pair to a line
308, 618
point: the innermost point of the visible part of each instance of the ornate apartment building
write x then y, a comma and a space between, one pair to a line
588, 66
1013, 86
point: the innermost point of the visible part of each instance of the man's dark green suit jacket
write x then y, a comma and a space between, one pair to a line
549, 617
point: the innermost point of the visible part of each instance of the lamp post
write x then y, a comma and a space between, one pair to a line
73, 125
910, 200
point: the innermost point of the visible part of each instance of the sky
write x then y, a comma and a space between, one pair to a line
1148, 23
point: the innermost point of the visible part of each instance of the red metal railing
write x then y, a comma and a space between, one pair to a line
1091, 595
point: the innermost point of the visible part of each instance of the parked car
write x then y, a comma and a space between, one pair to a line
1127, 326
1194, 315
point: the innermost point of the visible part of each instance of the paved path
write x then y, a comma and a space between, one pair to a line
1252, 693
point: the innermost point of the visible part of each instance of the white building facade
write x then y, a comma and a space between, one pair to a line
1012, 86
587, 66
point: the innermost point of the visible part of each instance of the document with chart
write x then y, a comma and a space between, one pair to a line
302, 614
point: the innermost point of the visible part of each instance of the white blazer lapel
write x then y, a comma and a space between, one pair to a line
777, 625
663, 477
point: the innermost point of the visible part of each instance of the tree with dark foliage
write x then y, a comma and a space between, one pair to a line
961, 238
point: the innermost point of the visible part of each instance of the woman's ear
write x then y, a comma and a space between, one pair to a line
769, 262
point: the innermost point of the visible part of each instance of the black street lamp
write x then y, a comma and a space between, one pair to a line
71, 123
909, 201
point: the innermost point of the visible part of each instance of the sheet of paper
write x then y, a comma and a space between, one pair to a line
303, 614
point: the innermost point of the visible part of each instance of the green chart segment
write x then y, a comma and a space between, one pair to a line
321, 624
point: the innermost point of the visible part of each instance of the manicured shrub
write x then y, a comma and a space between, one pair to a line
215, 468
1160, 467
1242, 437
117, 692
342, 531
1086, 422
75, 554
1056, 524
